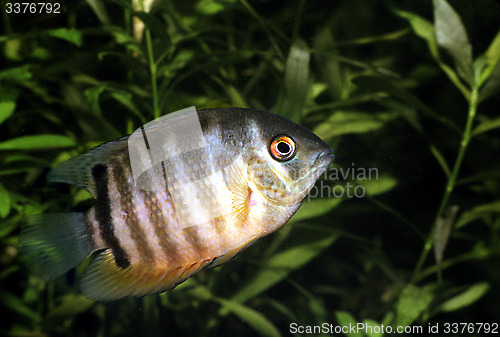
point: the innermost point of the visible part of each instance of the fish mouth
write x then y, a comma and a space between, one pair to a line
321, 163
323, 160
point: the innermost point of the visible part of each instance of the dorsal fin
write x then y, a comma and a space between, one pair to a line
78, 170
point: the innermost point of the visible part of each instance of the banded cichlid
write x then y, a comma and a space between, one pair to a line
182, 193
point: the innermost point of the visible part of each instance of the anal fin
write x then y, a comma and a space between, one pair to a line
232, 253
105, 281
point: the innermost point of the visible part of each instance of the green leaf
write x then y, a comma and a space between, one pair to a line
349, 122
13, 50
296, 80
124, 38
18, 74
479, 212
92, 94
492, 59
212, 7
452, 36
10, 225
425, 30
46, 141
374, 326
6, 272
99, 10
330, 65
412, 302
312, 242
4, 202
8, 98
125, 99
315, 207
180, 61
465, 299
492, 86
6, 110
71, 306
493, 52
442, 233
15, 304
376, 184
254, 318
80, 196
346, 320
68, 34
486, 126
280, 307
487, 174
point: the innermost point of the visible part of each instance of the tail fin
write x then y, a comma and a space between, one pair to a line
54, 243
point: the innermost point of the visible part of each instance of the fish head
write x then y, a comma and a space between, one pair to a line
287, 161
282, 159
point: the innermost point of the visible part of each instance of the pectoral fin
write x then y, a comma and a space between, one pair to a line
237, 180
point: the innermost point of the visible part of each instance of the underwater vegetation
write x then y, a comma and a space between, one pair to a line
403, 230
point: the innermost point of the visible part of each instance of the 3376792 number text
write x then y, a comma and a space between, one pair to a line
33, 8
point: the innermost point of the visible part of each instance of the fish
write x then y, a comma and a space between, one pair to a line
185, 192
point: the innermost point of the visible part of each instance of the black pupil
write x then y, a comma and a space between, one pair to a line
283, 148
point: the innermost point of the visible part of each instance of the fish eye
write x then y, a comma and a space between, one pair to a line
282, 148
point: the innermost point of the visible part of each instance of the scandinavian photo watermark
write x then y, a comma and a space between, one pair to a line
348, 182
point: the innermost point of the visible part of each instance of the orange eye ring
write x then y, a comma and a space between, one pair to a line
282, 148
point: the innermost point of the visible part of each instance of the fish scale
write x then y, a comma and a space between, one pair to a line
160, 217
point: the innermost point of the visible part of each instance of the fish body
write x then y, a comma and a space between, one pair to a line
172, 199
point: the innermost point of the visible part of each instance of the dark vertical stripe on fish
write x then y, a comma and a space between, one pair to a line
103, 215
158, 219
123, 178
192, 236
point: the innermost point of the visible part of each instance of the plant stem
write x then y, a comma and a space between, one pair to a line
152, 69
473, 102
